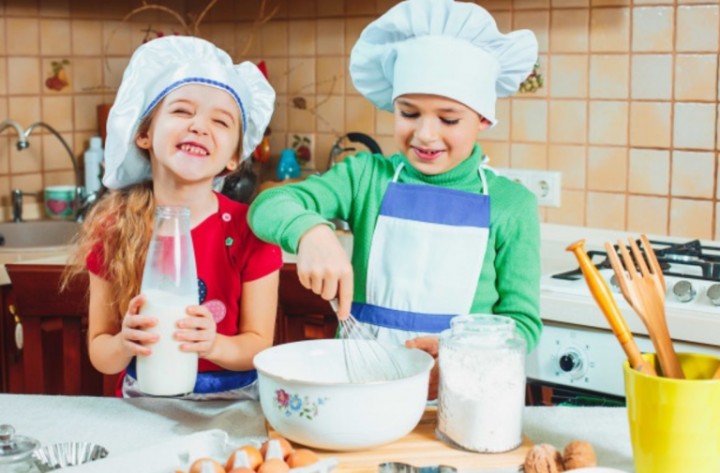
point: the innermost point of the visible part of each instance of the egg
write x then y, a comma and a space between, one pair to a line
302, 457
274, 465
245, 456
242, 469
284, 445
206, 465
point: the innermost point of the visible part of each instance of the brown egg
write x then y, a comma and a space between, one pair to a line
284, 445
254, 458
302, 457
242, 469
274, 465
206, 465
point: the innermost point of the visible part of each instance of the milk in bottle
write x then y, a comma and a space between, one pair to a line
170, 285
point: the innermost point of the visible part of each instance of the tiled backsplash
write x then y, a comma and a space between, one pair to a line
628, 114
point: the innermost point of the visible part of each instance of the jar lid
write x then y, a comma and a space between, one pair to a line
14, 448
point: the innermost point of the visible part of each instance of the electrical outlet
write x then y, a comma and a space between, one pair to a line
546, 185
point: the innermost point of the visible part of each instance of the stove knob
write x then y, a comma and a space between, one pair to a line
571, 362
684, 291
713, 294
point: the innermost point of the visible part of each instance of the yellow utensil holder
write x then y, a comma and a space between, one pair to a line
675, 423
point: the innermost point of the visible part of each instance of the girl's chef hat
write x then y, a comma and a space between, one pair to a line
157, 68
441, 47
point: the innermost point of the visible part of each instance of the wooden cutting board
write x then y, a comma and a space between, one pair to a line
421, 448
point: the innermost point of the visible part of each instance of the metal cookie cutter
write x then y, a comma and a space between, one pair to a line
397, 467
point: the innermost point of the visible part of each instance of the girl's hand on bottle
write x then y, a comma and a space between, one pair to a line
323, 267
430, 345
199, 329
134, 334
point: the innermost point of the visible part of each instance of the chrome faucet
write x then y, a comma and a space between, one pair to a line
22, 140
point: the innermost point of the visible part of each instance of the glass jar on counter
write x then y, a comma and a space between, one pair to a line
16, 451
482, 383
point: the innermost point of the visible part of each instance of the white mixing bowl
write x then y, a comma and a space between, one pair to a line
306, 396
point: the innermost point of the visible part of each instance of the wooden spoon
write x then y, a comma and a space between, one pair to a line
645, 292
604, 298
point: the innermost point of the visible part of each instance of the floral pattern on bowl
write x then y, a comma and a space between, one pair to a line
294, 404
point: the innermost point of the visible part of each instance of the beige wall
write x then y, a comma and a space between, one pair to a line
628, 113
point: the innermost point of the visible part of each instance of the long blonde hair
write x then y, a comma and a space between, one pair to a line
120, 225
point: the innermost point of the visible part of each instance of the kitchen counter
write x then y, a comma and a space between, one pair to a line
127, 425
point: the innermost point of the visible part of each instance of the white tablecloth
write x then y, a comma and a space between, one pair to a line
126, 425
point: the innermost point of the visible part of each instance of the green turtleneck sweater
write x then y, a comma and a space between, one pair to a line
353, 190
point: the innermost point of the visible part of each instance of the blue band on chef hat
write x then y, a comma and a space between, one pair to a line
196, 80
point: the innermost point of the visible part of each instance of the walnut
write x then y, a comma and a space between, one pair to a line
579, 454
543, 458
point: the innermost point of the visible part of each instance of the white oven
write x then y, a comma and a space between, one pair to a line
577, 352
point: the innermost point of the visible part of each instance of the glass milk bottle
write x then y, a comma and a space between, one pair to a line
482, 383
170, 285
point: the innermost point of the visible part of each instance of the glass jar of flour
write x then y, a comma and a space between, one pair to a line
482, 383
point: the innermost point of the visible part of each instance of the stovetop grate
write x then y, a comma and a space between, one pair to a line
686, 260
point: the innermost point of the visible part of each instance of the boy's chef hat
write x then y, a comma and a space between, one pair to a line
441, 47
157, 68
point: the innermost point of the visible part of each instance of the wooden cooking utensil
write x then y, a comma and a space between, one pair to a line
604, 298
645, 291
717, 374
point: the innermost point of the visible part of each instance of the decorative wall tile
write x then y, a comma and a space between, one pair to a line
698, 28
650, 124
568, 121
607, 169
609, 76
569, 31
301, 120
331, 115
649, 171
570, 161
653, 29
301, 77
91, 78
696, 77
605, 210
529, 120
694, 125
693, 174
647, 214
570, 77
652, 76
691, 218
608, 122
610, 30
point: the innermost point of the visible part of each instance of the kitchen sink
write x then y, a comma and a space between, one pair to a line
36, 234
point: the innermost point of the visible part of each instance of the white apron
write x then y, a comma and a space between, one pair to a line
425, 260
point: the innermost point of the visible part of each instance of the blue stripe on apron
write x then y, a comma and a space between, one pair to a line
401, 320
209, 382
430, 204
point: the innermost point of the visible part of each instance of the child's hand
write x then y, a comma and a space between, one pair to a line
199, 329
134, 334
324, 267
430, 345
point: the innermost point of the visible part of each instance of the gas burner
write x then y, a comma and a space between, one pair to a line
684, 260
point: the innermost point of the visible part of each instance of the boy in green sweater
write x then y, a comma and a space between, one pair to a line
436, 232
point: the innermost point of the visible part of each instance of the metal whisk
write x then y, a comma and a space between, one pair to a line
366, 359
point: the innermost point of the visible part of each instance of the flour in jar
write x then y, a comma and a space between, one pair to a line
482, 395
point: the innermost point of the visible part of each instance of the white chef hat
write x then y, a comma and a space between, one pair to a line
441, 47
157, 68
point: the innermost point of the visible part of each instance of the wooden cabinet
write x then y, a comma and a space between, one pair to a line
11, 369
302, 314
54, 356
